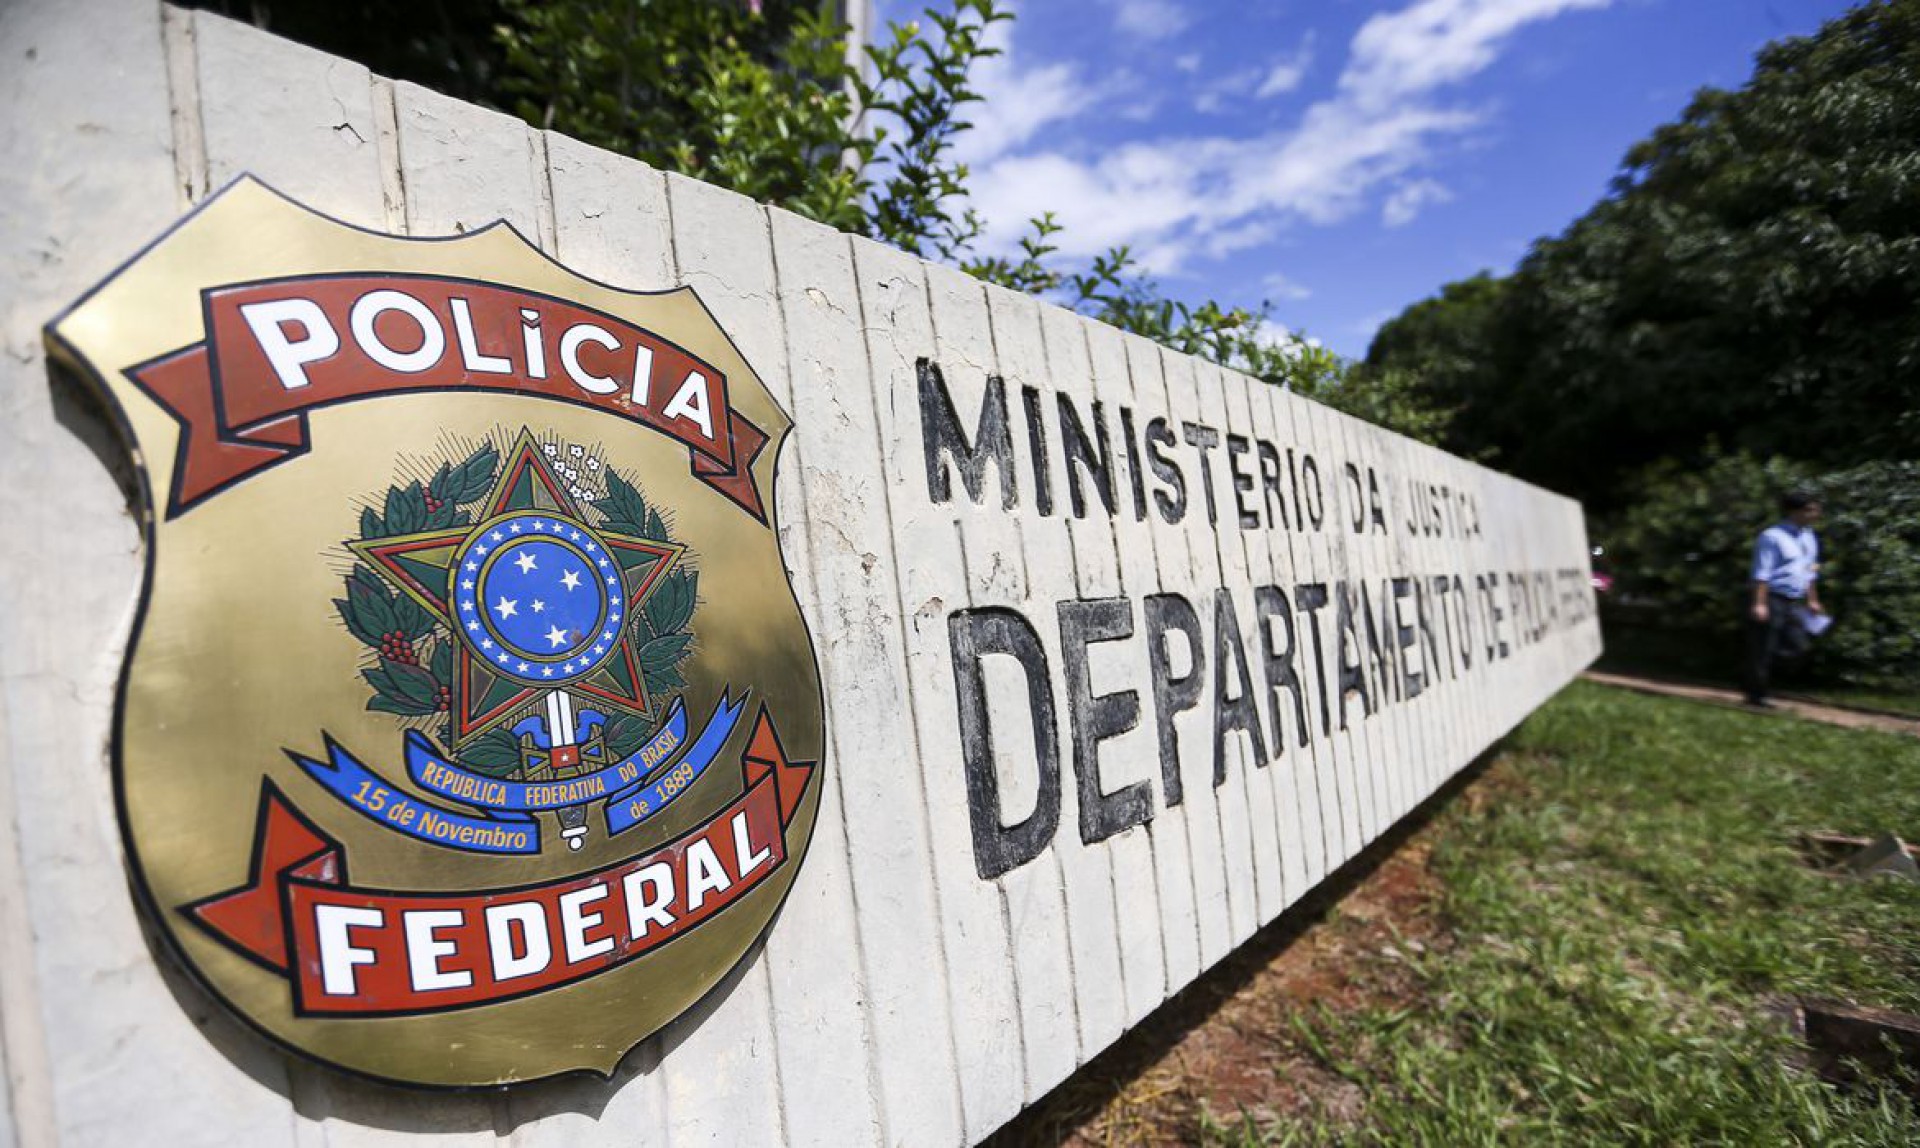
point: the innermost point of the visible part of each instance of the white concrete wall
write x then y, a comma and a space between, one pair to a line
901, 998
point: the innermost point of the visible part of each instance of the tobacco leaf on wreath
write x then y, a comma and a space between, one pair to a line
624, 734
495, 753
407, 509
628, 512
663, 622
372, 612
456, 485
402, 688
671, 606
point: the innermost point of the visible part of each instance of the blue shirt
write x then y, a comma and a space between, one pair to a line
1787, 559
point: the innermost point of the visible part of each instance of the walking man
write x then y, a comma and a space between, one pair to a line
1786, 564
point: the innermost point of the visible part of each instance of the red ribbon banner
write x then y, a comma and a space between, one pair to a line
279, 348
352, 951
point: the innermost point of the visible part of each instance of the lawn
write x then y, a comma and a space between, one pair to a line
1621, 924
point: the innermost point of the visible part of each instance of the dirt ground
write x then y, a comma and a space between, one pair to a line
1230, 1038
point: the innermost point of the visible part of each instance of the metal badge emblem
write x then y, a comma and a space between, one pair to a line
470, 730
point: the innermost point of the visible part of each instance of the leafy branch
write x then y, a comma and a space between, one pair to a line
392, 624
665, 642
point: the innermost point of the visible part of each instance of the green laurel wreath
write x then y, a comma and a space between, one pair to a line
412, 673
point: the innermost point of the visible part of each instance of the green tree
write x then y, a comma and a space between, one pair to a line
1754, 274
1437, 359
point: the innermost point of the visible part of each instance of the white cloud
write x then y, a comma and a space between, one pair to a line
1277, 285
1149, 19
1406, 201
1286, 74
1017, 100
1176, 199
1188, 63
1231, 91
1234, 86
1432, 43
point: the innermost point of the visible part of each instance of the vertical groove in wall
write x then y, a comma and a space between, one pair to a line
183, 80
837, 772
761, 960
1205, 847
674, 277
1069, 834
1076, 585
756, 962
993, 349
1000, 893
909, 688
1137, 984
306, 1106
393, 185
1018, 1026
1155, 824
549, 237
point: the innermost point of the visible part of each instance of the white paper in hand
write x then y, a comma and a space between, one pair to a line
1814, 624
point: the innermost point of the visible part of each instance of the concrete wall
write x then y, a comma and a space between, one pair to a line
902, 997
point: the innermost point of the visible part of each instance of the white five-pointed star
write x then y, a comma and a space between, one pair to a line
506, 607
539, 607
525, 562
570, 579
556, 636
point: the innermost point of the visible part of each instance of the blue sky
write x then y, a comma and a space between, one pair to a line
1342, 159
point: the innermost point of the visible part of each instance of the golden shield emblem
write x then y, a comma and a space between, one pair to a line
470, 730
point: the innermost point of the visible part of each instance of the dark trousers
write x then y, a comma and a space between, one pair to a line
1780, 636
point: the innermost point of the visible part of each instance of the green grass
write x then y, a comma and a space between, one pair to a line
1631, 923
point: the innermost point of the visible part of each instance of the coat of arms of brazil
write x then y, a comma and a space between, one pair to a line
470, 731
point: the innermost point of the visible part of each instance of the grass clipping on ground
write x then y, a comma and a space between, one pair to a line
1601, 940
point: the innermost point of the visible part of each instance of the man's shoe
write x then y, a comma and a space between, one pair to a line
1761, 704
